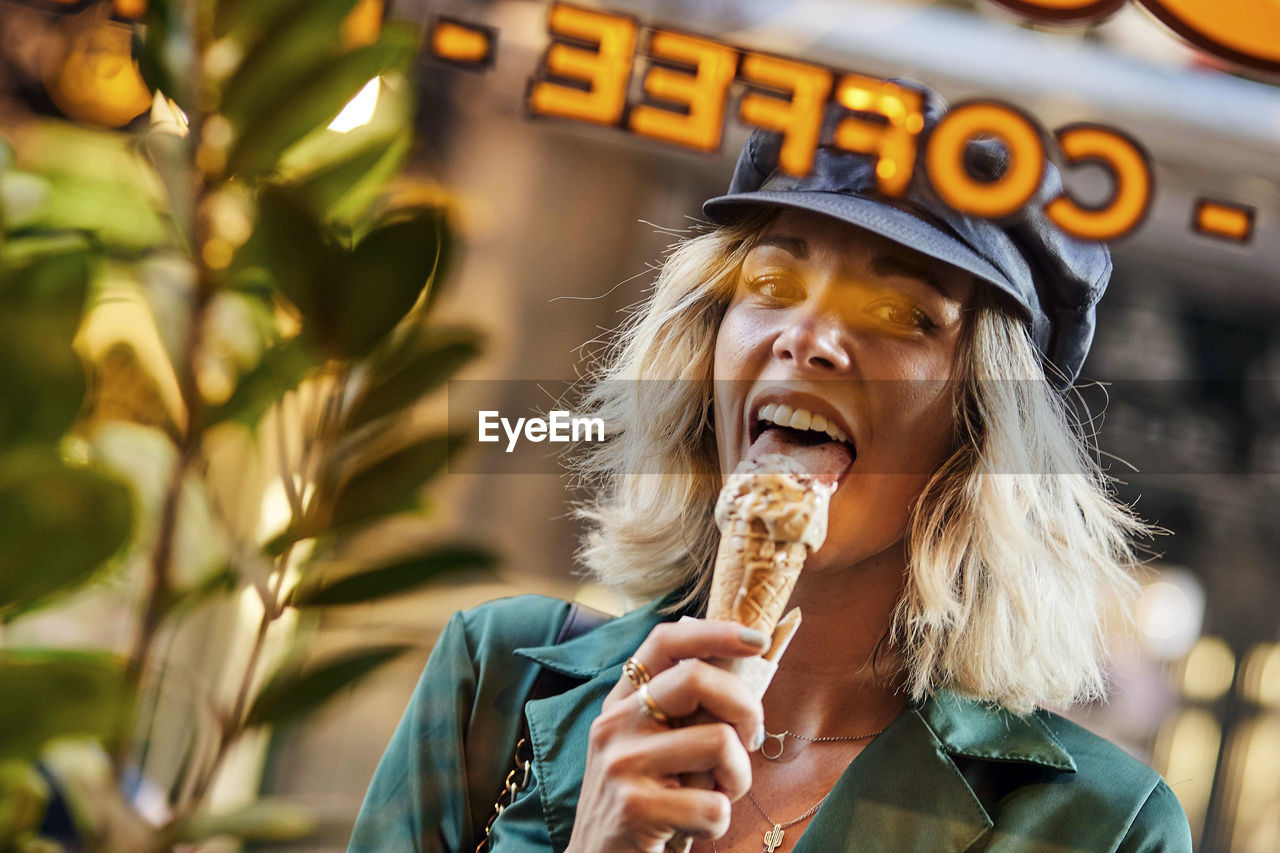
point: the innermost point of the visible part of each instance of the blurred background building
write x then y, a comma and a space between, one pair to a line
560, 223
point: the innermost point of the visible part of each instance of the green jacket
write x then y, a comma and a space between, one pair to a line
947, 775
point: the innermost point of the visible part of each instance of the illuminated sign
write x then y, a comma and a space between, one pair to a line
586, 71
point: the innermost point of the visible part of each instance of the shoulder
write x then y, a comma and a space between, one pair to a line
1099, 761
506, 624
1109, 778
1044, 780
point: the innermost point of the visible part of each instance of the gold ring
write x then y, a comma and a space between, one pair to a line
635, 672
650, 708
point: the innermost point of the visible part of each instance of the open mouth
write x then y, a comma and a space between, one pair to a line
821, 446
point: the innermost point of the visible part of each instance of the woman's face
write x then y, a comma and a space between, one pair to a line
859, 333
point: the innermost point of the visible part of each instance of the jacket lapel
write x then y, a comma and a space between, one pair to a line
905, 792
559, 725
902, 792
975, 730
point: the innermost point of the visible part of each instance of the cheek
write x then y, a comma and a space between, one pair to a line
741, 344
868, 514
924, 421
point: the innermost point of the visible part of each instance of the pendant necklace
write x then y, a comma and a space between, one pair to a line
781, 739
773, 837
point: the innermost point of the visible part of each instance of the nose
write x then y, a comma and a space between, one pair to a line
814, 341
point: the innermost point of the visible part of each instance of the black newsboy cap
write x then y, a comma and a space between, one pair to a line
1055, 279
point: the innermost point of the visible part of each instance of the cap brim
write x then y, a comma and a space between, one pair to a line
875, 216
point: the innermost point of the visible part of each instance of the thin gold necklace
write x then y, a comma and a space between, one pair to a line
773, 836
781, 737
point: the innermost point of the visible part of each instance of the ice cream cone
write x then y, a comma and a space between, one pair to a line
771, 515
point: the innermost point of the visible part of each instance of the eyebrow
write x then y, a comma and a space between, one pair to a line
891, 265
881, 265
795, 245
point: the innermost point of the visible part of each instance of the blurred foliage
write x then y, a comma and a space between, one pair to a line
213, 331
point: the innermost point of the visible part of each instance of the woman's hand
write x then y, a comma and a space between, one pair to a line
631, 794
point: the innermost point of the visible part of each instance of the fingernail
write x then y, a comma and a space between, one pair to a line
752, 637
758, 740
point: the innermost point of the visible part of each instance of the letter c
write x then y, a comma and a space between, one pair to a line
1131, 197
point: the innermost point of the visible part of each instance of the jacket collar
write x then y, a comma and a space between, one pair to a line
609, 645
904, 791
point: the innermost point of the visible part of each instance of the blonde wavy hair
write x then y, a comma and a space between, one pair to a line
1020, 557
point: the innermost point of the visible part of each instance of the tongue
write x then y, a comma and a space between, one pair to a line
826, 460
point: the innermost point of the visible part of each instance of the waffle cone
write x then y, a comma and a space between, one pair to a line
740, 538
771, 573
771, 516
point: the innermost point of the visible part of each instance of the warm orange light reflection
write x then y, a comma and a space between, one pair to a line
459, 43
130, 8
703, 93
1220, 219
1186, 753
97, 81
363, 24
1253, 785
1208, 669
799, 117
1131, 196
893, 143
945, 154
604, 69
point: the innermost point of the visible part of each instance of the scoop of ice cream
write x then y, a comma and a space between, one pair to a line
776, 490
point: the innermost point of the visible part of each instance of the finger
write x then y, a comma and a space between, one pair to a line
671, 642
695, 685
694, 811
711, 747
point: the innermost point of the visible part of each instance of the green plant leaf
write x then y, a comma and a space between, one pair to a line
292, 246
247, 21
282, 367
300, 43
294, 691
98, 183
433, 355
444, 258
348, 184
169, 155
386, 274
318, 101
387, 484
261, 820
42, 382
24, 795
60, 525
22, 199
47, 693
165, 52
392, 579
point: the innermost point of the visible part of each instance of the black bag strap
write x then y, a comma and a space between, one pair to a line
578, 621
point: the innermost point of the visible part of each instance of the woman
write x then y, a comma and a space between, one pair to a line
974, 552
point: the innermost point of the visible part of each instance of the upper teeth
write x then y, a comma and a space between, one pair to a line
785, 416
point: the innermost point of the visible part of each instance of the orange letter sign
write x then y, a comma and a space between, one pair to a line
704, 93
606, 69
798, 120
